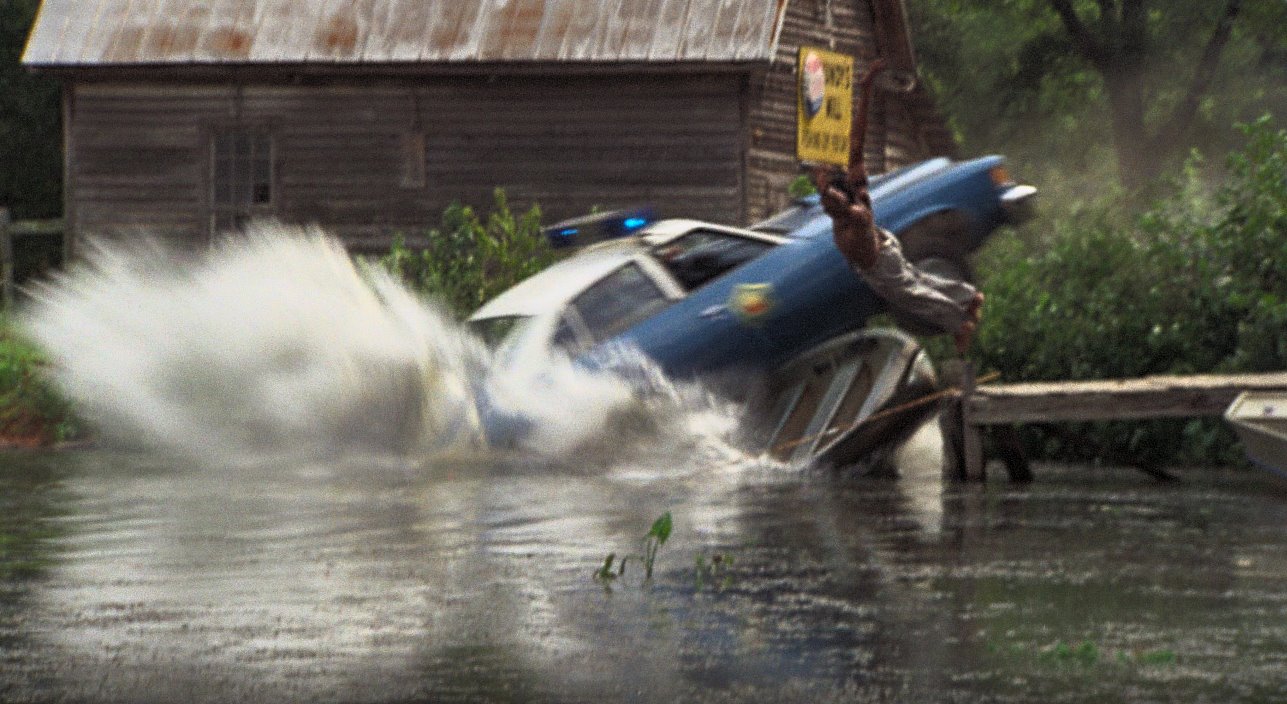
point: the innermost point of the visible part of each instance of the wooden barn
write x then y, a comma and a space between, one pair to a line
185, 117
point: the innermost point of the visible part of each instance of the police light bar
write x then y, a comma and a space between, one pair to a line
588, 229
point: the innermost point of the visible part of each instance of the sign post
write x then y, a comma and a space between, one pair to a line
824, 107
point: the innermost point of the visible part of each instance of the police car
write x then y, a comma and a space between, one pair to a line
771, 313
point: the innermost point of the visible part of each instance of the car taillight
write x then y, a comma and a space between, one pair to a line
1000, 177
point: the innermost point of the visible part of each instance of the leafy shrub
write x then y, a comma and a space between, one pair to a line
801, 186
471, 259
31, 411
1195, 283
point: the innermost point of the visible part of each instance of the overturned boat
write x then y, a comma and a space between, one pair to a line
1260, 419
841, 402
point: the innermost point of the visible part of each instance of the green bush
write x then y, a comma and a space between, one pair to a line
1195, 283
32, 412
801, 186
471, 259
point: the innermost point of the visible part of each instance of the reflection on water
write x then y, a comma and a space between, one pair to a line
127, 577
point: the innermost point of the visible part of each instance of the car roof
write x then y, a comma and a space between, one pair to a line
553, 287
556, 285
807, 209
664, 231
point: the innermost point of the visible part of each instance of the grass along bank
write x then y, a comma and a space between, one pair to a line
32, 412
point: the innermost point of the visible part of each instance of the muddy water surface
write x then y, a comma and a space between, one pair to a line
126, 577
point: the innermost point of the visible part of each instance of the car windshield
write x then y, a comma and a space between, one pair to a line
702, 255
493, 330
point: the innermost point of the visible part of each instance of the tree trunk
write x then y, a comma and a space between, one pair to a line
1137, 164
1117, 51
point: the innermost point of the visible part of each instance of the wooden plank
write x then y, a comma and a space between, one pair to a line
69, 182
6, 258
1114, 399
971, 436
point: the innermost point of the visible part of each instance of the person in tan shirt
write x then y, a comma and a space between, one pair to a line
951, 305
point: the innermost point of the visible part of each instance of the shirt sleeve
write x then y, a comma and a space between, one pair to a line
940, 302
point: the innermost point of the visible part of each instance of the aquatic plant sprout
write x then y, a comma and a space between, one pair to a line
656, 537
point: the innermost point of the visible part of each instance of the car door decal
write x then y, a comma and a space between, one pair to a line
751, 302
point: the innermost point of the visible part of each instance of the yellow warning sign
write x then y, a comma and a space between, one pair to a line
824, 108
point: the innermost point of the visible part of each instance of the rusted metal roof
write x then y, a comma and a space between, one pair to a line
130, 32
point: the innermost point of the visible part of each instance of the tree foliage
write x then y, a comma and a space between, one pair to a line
1137, 264
1078, 85
1195, 284
30, 123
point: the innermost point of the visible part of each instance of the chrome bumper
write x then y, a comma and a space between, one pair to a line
1016, 202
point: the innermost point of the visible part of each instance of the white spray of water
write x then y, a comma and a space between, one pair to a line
271, 344
274, 345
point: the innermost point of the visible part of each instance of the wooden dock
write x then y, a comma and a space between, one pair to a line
1109, 399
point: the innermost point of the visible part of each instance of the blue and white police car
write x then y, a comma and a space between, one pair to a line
771, 314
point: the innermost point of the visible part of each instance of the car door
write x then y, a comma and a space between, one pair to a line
627, 295
720, 323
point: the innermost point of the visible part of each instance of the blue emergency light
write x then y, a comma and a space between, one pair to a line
588, 229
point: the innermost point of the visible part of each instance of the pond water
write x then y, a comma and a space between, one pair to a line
261, 568
135, 578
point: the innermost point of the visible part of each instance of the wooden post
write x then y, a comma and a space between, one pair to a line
949, 427
950, 423
971, 437
6, 258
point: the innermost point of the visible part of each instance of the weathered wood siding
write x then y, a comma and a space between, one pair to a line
136, 158
904, 143
139, 151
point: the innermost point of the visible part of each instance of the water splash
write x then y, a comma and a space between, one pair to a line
275, 346
267, 345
